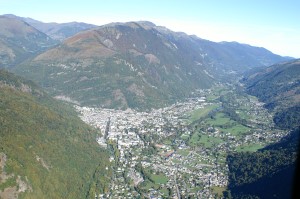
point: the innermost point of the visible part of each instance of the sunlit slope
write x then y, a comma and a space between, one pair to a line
279, 87
44, 146
138, 65
20, 41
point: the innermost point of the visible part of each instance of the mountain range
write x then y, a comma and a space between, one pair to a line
46, 151
278, 86
20, 41
57, 31
270, 172
137, 65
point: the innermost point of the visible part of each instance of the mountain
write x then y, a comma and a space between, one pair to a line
267, 173
247, 56
57, 31
222, 57
137, 65
271, 172
121, 66
46, 151
278, 86
20, 41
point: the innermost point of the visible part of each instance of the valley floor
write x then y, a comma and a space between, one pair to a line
180, 150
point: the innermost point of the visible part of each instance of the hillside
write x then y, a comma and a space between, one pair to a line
137, 65
46, 151
57, 31
270, 172
117, 66
20, 41
278, 86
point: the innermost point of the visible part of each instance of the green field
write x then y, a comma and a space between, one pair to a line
159, 178
201, 112
203, 139
212, 97
183, 152
236, 129
167, 142
146, 185
176, 161
242, 113
184, 136
218, 190
250, 148
219, 119
165, 191
225, 124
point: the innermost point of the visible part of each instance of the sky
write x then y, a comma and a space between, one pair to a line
272, 24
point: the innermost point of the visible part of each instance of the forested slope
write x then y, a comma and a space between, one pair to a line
267, 173
278, 86
270, 172
46, 151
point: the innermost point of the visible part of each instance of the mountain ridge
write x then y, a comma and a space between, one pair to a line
137, 65
278, 86
20, 41
57, 31
260, 174
122, 65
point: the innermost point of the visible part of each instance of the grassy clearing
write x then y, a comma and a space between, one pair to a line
199, 160
149, 185
196, 189
159, 178
253, 98
236, 129
176, 161
185, 136
205, 140
202, 112
242, 113
195, 138
219, 119
218, 190
183, 152
167, 142
250, 148
212, 97
225, 124
165, 191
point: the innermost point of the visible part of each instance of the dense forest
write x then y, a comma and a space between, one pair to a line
270, 172
267, 173
288, 118
278, 86
45, 145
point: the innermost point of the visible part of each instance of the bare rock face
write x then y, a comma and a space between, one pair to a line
14, 191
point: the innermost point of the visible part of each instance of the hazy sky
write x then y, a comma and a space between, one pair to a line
273, 24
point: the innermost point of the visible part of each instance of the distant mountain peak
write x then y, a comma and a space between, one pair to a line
138, 65
57, 31
20, 41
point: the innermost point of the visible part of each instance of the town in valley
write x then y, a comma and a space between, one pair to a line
180, 151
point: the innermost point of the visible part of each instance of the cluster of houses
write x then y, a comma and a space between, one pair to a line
129, 142
190, 171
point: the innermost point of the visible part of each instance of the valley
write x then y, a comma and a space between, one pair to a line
136, 110
180, 150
